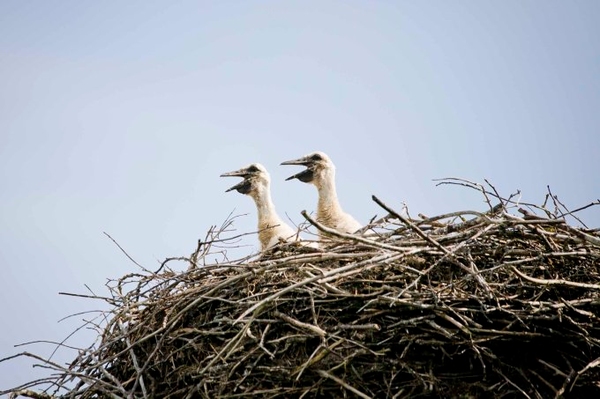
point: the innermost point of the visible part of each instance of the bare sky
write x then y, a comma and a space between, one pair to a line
119, 117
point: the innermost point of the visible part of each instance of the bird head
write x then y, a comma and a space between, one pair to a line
318, 166
255, 178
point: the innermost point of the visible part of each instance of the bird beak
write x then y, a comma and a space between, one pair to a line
300, 161
242, 187
305, 176
236, 173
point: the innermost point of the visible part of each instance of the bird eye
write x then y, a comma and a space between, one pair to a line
316, 157
252, 168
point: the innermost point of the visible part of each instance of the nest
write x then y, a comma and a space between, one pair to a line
469, 304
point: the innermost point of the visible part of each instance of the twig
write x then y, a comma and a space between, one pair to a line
350, 236
315, 329
355, 391
126, 254
555, 281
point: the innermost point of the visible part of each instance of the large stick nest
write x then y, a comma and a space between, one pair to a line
465, 305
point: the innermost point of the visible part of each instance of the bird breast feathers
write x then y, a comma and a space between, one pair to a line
332, 216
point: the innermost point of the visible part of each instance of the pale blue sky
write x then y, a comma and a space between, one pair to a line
120, 117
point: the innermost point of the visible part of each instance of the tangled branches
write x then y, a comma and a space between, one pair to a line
468, 304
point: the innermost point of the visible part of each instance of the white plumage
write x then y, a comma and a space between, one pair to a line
257, 184
320, 171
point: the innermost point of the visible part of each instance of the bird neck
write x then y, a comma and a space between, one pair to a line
328, 199
265, 209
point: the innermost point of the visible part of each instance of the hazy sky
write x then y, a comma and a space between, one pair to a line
119, 117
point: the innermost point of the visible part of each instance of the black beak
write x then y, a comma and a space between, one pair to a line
242, 187
236, 173
300, 161
306, 176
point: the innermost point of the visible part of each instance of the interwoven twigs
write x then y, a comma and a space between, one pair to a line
467, 304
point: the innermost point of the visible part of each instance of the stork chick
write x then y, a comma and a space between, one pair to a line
320, 172
257, 184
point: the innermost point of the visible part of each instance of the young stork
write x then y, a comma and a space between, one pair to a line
320, 172
256, 184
